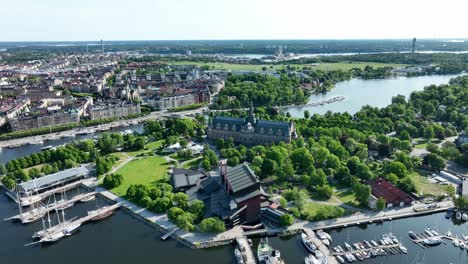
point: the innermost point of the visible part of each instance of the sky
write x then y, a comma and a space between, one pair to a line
85, 20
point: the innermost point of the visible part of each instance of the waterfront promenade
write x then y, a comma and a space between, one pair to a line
201, 240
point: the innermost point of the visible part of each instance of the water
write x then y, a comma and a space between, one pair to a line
376, 93
8, 154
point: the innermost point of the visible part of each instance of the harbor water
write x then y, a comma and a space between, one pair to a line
377, 93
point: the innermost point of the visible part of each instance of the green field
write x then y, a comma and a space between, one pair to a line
319, 66
422, 143
146, 171
150, 147
347, 196
423, 185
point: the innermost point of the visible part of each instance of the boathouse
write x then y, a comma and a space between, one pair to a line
393, 196
42, 184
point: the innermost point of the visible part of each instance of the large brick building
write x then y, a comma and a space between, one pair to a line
250, 131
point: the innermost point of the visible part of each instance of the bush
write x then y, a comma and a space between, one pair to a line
286, 220
112, 180
212, 225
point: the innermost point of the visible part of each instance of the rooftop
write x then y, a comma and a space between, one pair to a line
53, 179
241, 177
386, 190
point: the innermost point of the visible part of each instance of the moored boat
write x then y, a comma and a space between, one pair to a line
268, 255
432, 241
239, 257
308, 243
87, 199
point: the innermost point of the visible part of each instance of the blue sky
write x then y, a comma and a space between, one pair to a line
72, 20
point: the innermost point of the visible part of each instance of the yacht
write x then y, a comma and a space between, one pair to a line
456, 242
340, 259
323, 235
404, 249
432, 241
47, 147
349, 257
51, 238
70, 229
326, 242
311, 260
239, 258
412, 235
308, 243
268, 255
448, 234
348, 247
321, 257
374, 243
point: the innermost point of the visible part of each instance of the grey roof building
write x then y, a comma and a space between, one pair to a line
53, 180
250, 131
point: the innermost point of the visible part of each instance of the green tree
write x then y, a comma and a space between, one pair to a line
325, 192
306, 114
435, 161
381, 203
181, 200
286, 220
362, 193
212, 225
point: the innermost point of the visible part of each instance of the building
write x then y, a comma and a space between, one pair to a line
111, 109
464, 188
40, 185
462, 139
250, 131
46, 120
393, 196
234, 196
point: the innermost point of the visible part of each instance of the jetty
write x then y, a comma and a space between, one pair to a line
32, 199
50, 233
246, 251
39, 212
168, 234
320, 246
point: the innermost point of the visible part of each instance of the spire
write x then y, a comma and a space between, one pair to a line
252, 118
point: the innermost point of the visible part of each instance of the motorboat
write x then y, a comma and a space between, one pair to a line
432, 241
448, 234
340, 259
326, 242
428, 232
348, 247
349, 257
268, 255
311, 260
374, 243
308, 243
321, 257
403, 249
238, 255
456, 242
324, 235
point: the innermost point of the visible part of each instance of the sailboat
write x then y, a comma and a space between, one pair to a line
268, 255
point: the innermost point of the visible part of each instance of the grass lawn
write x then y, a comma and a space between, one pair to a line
121, 157
319, 66
346, 196
148, 148
424, 185
192, 164
146, 171
422, 143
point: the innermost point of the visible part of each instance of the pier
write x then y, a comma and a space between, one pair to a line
168, 234
47, 234
320, 246
29, 200
39, 212
246, 251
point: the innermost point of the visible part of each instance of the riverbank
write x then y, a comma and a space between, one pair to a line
18, 142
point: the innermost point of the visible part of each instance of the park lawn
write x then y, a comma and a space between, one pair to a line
122, 158
192, 164
318, 66
347, 197
425, 186
146, 171
421, 143
150, 147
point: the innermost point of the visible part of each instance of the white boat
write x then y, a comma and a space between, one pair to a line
448, 234
239, 258
87, 199
340, 259
323, 235
348, 247
47, 147
326, 242
311, 260
428, 232
432, 241
53, 237
462, 245
70, 229
458, 216
321, 257
267, 255
456, 242
465, 237
465, 217
308, 243
349, 257
404, 249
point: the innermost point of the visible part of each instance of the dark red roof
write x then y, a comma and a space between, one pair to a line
386, 190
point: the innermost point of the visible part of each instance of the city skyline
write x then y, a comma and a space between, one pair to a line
53, 20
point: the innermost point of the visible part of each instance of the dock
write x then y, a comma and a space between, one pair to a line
246, 251
324, 249
29, 200
78, 222
169, 234
35, 214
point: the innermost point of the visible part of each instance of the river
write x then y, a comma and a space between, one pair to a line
359, 92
